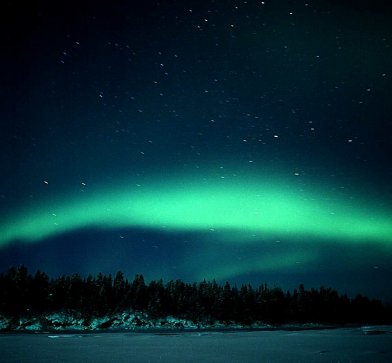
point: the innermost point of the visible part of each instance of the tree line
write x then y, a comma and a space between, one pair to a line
23, 294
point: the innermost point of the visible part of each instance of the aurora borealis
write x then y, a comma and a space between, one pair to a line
252, 209
238, 140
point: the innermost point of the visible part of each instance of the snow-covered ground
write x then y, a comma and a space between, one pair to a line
122, 321
331, 345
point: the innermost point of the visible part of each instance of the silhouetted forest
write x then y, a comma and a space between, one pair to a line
23, 294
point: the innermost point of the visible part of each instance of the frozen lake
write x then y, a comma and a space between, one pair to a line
334, 345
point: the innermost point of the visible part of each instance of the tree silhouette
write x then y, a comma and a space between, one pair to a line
206, 302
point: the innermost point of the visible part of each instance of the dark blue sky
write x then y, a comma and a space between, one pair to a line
100, 99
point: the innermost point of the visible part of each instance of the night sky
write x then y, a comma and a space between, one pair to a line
246, 141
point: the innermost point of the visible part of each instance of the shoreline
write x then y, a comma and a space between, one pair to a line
72, 322
366, 329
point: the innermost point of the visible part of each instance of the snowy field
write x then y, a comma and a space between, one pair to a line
334, 345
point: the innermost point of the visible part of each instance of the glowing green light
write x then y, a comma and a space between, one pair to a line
222, 270
242, 208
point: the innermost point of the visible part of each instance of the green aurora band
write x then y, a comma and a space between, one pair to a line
237, 210
224, 269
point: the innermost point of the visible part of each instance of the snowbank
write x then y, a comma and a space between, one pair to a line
130, 320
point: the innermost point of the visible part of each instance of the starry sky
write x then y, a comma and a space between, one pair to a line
246, 141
